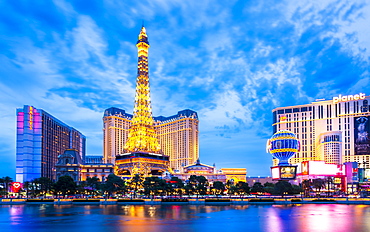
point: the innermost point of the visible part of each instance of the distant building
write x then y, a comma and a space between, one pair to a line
235, 174
263, 180
41, 138
335, 131
70, 164
212, 174
177, 134
199, 169
115, 132
93, 159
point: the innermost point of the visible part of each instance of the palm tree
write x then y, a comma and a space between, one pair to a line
93, 183
156, 186
136, 182
191, 185
163, 187
65, 184
269, 187
33, 187
2, 186
283, 187
231, 188
177, 185
318, 184
202, 184
45, 184
243, 188
7, 181
257, 188
218, 187
26, 185
113, 184
306, 186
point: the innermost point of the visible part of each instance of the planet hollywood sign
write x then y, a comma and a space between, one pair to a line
340, 98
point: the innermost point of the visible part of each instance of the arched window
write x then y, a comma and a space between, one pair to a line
67, 161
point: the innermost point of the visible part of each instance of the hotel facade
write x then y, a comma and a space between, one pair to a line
335, 131
41, 138
177, 134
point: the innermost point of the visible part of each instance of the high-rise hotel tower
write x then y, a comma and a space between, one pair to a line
175, 136
41, 138
336, 131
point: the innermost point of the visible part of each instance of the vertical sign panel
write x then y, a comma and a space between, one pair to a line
362, 135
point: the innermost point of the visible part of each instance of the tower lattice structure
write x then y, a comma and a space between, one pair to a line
142, 134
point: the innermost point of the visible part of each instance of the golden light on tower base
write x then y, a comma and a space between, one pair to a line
146, 164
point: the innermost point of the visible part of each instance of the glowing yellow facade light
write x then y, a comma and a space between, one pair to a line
142, 135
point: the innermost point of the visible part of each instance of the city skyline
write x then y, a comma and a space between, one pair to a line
232, 63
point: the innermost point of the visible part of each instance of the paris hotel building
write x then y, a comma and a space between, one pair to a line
178, 136
336, 130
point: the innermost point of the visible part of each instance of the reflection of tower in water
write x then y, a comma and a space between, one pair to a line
173, 212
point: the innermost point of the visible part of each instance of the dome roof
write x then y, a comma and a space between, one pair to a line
198, 167
284, 134
65, 155
71, 154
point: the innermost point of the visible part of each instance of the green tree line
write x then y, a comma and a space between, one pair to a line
149, 187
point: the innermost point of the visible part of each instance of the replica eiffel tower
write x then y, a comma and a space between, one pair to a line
142, 151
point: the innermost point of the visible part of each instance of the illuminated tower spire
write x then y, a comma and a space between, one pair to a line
142, 135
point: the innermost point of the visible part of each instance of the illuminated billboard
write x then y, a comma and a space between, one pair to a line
16, 186
304, 168
288, 172
320, 168
284, 172
337, 180
282, 118
362, 135
367, 173
275, 173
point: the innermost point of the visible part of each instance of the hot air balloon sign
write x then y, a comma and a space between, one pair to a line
283, 145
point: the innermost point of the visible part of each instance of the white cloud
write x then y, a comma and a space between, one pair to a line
65, 7
261, 50
36, 72
348, 21
277, 75
86, 47
226, 111
362, 85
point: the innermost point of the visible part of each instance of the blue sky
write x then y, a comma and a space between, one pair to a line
231, 62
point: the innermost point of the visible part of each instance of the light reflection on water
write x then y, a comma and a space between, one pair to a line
270, 218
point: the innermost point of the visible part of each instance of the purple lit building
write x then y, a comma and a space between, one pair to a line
41, 138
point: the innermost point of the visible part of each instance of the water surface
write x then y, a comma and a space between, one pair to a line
146, 218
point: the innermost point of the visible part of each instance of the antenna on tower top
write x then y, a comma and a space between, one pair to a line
142, 24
